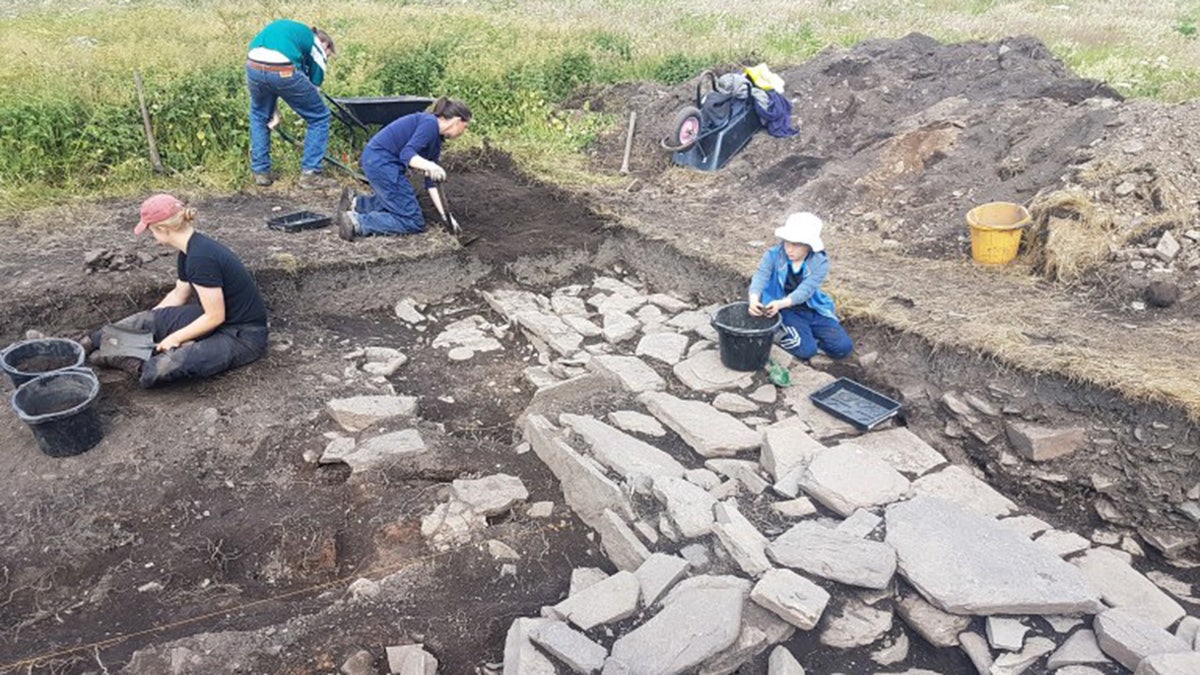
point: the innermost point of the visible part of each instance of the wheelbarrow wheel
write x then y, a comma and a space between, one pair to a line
686, 128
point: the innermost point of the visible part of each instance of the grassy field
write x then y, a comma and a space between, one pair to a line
70, 127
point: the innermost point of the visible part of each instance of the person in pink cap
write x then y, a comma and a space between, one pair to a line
788, 284
213, 320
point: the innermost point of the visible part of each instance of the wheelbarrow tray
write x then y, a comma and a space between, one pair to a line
854, 403
381, 110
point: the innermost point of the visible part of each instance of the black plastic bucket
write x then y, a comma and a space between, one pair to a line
745, 340
58, 407
24, 361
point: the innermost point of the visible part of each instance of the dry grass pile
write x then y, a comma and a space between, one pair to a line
1070, 234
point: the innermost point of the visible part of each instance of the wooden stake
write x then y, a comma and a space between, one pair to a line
628, 143
155, 160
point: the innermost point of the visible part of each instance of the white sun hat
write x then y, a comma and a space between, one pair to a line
802, 228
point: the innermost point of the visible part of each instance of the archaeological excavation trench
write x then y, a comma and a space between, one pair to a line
260, 521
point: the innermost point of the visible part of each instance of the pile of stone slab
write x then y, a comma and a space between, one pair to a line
778, 517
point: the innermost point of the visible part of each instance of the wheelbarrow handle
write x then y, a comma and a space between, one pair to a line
344, 114
328, 158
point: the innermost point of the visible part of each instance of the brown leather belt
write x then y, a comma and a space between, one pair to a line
272, 67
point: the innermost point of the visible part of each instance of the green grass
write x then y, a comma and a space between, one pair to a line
69, 126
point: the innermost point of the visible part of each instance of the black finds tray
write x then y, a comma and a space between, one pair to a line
854, 403
301, 220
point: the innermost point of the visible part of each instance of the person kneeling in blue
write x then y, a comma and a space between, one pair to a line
788, 284
411, 141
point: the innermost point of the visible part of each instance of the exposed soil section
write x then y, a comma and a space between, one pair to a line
199, 513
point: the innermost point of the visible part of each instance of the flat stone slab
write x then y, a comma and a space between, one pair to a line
1128, 637
491, 495
938, 628
534, 315
604, 602
586, 488
658, 574
375, 452
901, 448
1080, 649
955, 485
781, 662
411, 660
704, 372
1120, 585
619, 327
1063, 544
787, 446
637, 423
741, 539
621, 452
633, 374
965, 563
709, 432
571, 647
846, 479
792, 597
834, 555
856, 624
469, 333
620, 543
689, 506
674, 640
1170, 664
666, 347
734, 403
520, 654
359, 412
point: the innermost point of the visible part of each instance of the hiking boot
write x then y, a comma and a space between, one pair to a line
128, 364
263, 179
314, 180
347, 222
88, 346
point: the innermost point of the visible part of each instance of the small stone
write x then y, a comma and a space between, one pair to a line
540, 510
364, 589
460, 354
360, 663
1162, 293
1006, 633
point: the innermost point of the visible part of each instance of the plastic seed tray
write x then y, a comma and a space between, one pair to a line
301, 220
854, 403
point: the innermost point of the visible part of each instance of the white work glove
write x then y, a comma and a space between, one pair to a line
437, 173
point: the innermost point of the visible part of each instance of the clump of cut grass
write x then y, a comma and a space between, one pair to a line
1070, 234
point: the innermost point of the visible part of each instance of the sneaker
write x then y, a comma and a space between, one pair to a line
314, 180
347, 222
263, 179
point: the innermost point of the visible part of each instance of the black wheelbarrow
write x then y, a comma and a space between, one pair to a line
361, 113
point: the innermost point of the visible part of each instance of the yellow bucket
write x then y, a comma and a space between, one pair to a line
996, 231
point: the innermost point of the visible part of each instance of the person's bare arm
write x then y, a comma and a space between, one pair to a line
212, 299
178, 295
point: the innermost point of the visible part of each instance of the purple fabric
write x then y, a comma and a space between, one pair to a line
777, 116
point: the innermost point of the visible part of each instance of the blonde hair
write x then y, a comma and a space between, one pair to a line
177, 222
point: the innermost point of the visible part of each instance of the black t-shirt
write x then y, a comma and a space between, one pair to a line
208, 263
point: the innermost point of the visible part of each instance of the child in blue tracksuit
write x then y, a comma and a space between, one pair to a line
788, 284
411, 141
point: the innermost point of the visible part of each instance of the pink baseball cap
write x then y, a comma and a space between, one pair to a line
157, 209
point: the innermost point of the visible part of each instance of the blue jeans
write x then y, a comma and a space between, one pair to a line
393, 209
266, 88
804, 330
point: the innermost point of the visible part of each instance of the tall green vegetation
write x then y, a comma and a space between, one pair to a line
70, 125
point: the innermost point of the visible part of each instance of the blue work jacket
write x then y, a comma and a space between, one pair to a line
772, 273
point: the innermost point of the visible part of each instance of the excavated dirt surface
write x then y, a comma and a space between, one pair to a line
198, 512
